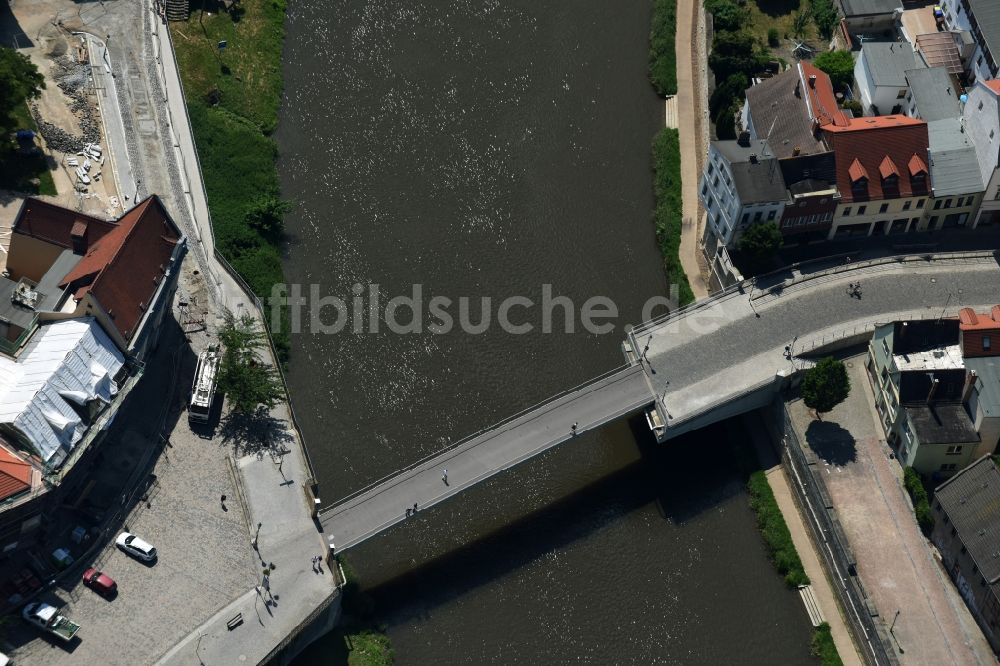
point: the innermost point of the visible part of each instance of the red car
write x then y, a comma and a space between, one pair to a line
99, 582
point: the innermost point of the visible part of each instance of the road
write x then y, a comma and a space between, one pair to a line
385, 504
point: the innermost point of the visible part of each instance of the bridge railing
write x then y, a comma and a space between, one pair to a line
792, 275
465, 440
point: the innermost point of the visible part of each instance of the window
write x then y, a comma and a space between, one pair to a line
906, 205
711, 166
746, 218
771, 214
757, 216
861, 210
920, 203
715, 182
885, 348
704, 189
933, 221
953, 450
847, 211
968, 201
884, 207
986, 343
937, 204
947, 203
901, 94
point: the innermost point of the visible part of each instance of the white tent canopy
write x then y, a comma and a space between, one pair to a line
69, 361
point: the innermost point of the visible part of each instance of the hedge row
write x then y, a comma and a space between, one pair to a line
669, 208
662, 56
775, 531
823, 646
918, 495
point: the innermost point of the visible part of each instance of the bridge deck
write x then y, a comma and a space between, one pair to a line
379, 507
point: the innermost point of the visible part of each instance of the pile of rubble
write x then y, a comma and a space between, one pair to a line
73, 78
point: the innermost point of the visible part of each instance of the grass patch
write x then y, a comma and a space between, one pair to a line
18, 171
918, 496
233, 99
668, 214
364, 642
779, 15
823, 647
775, 531
662, 56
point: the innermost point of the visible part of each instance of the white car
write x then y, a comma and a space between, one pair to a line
135, 547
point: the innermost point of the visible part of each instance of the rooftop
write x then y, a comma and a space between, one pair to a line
779, 110
971, 499
940, 50
756, 173
939, 358
944, 423
987, 13
987, 369
954, 165
923, 334
15, 474
868, 7
55, 224
980, 333
888, 62
867, 142
933, 93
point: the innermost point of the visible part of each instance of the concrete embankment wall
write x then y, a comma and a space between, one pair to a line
319, 623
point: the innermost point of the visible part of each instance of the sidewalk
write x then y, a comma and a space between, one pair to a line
778, 478
687, 22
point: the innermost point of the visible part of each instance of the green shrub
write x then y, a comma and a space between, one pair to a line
823, 646
854, 106
772, 37
775, 531
918, 496
839, 65
727, 14
669, 208
662, 56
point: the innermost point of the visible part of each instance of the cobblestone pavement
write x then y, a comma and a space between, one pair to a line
205, 559
895, 562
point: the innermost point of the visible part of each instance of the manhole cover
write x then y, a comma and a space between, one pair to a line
850, 364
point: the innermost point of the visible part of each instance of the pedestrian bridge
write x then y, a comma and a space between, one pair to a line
715, 359
371, 510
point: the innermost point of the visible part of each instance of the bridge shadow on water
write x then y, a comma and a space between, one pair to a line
684, 478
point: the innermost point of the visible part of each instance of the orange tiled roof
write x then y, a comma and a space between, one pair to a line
976, 329
888, 168
993, 84
821, 96
124, 268
862, 147
15, 474
56, 225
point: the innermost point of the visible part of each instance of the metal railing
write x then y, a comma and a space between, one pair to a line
810, 493
465, 440
232, 272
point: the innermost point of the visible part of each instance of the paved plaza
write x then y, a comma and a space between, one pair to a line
896, 564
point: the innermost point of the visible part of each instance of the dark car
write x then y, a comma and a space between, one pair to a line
99, 582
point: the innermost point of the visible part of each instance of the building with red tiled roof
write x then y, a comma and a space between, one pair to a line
123, 272
882, 174
980, 333
15, 475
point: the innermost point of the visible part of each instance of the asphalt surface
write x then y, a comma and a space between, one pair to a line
716, 352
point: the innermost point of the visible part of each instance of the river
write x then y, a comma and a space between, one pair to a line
488, 149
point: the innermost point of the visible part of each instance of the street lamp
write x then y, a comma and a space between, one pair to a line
256, 536
753, 283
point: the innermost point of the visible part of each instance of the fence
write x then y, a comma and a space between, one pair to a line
811, 494
237, 278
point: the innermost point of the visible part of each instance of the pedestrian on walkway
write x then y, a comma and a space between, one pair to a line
222, 501
573, 428
444, 476
414, 507
407, 512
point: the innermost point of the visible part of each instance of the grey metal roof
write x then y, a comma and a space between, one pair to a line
756, 171
933, 93
946, 423
954, 164
889, 62
971, 499
866, 7
987, 13
987, 383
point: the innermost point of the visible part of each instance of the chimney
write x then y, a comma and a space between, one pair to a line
753, 158
744, 139
796, 150
933, 391
812, 80
970, 383
902, 330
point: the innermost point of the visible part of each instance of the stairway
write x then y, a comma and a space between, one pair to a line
812, 606
178, 10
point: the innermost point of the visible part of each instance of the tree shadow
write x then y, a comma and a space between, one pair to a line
257, 433
832, 443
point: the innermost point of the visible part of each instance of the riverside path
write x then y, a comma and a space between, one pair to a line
371, 510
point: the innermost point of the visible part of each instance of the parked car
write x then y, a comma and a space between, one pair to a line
99, 582
136, 547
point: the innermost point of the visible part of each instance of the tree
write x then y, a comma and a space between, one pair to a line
825, 17
735, 52
800, 22
839, 65
732, 89
727, 15
20, 81
761, 241
825, 385
244, 376
266, 215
